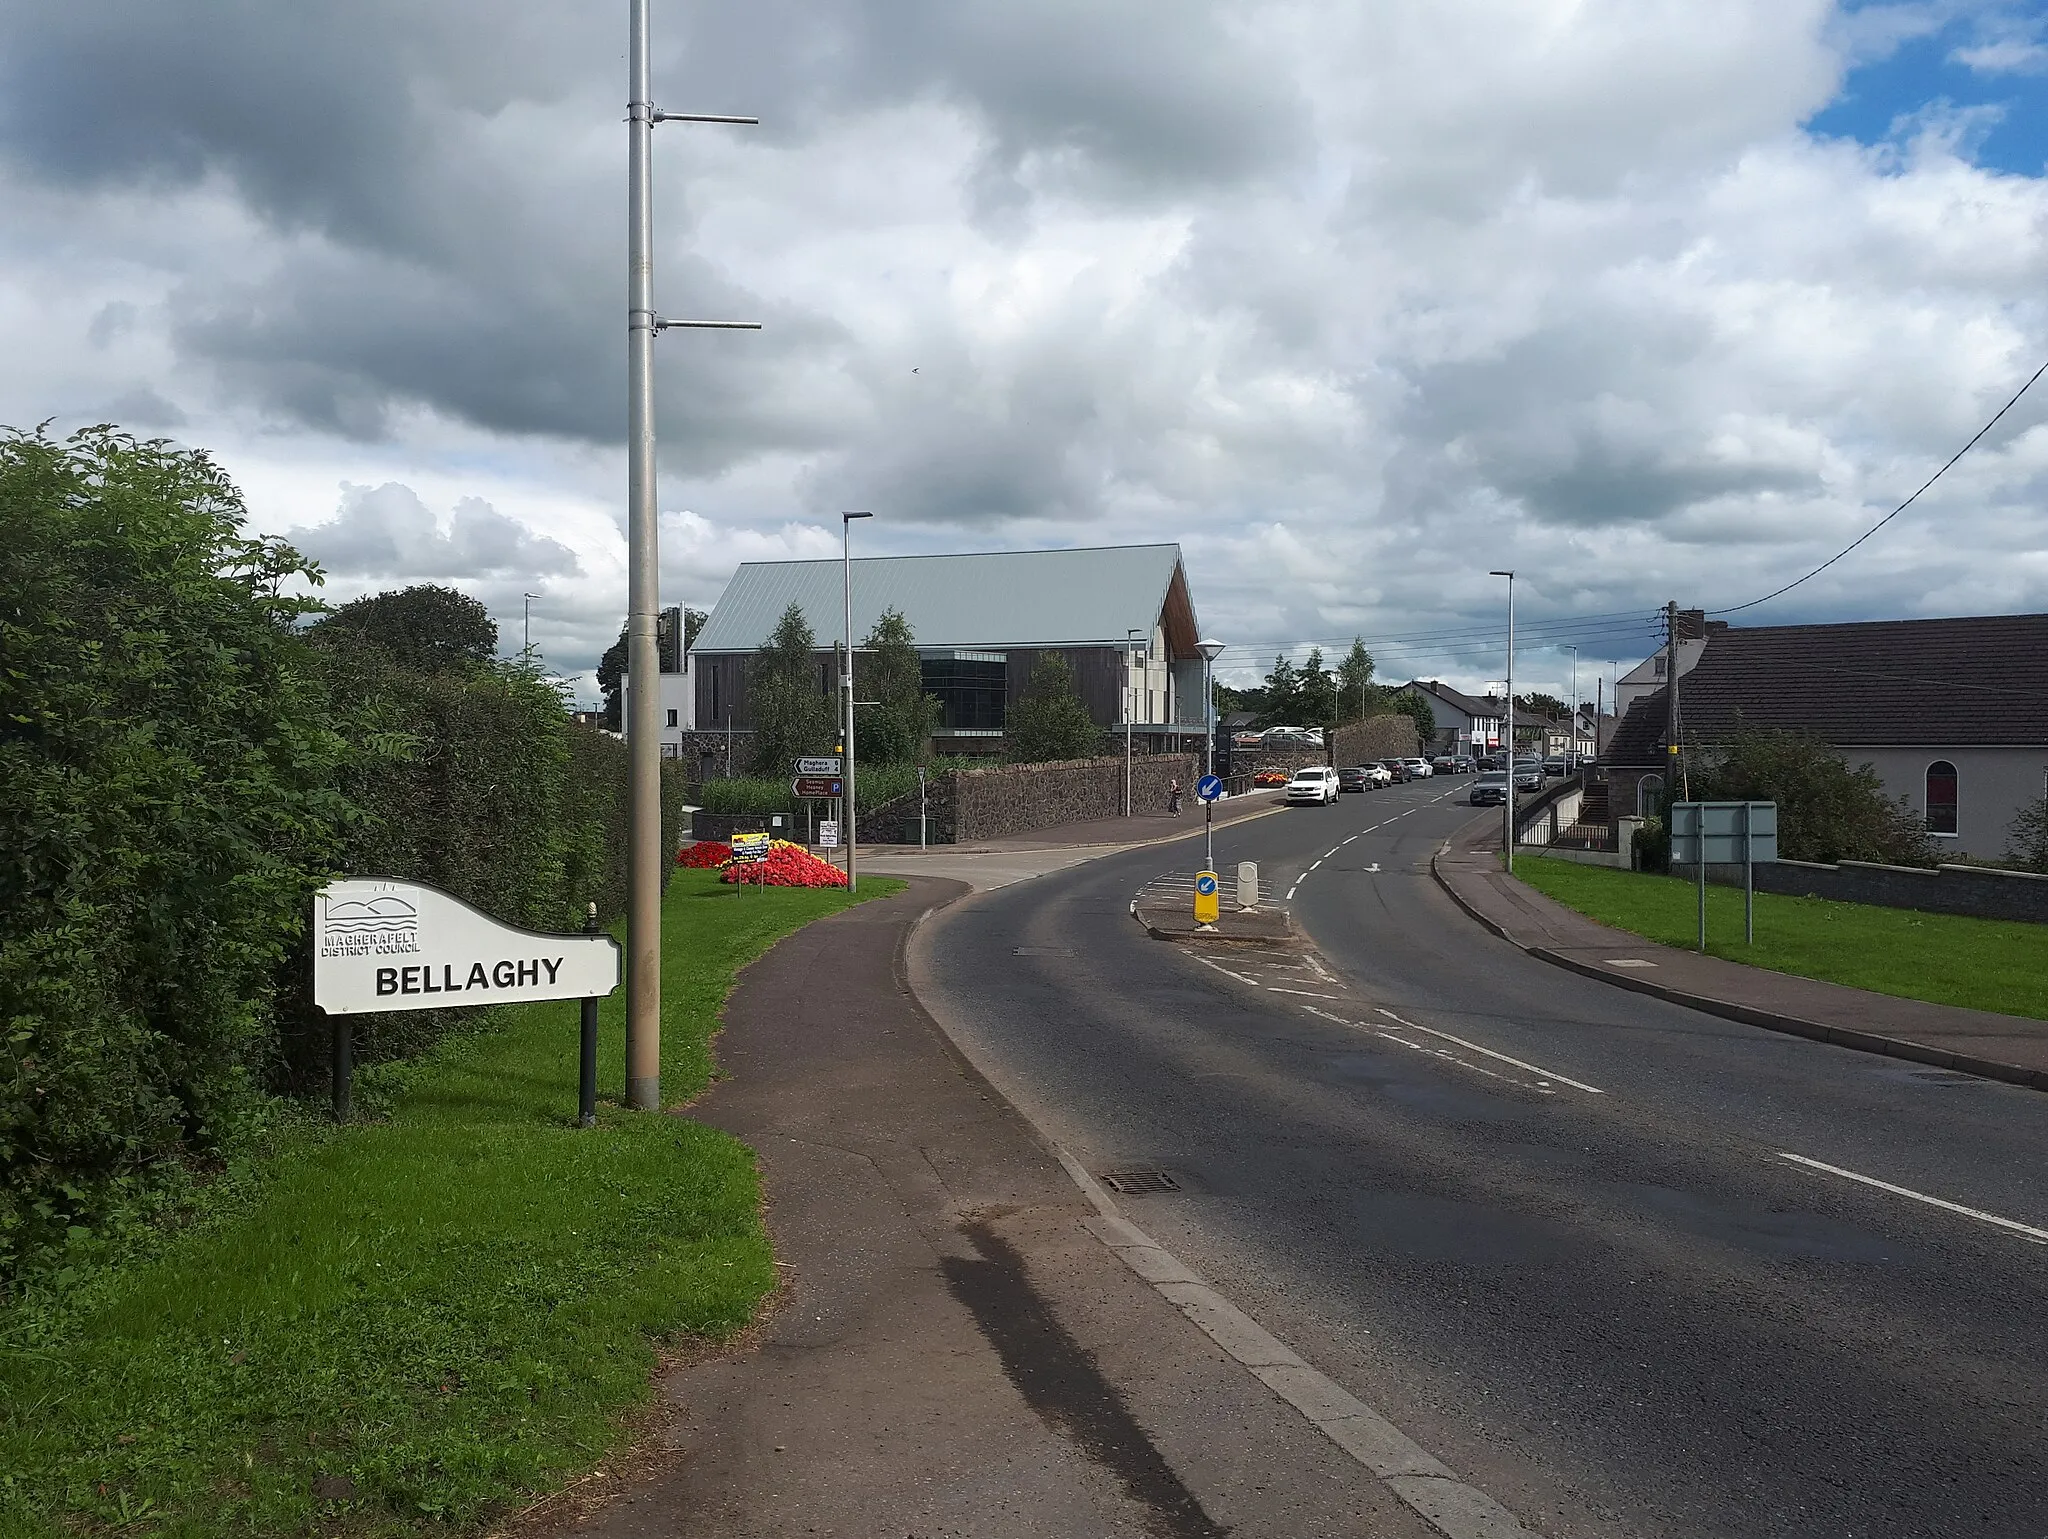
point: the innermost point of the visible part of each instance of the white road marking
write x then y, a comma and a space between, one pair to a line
1328, 853
1629, 962
1274, 988
1290, 893
2038, 1236
1533, 1068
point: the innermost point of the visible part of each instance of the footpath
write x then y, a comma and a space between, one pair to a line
956, 1350
2002, 1047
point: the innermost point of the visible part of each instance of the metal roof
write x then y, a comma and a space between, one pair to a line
996, 599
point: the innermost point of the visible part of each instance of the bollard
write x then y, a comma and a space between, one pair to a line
586, 1110
1247, 885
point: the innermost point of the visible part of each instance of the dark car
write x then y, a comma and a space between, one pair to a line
1398, 770
1352, 777
1554, 765
1529, 775
1488, 791
1444, 764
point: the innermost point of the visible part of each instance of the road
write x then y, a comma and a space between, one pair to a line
1608, 1258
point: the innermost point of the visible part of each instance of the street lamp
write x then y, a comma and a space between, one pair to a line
1508, 806
846, 678
526, 624
1209, 651
1130, 706
1572, 750
645, 860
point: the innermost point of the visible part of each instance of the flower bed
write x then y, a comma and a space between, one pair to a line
787, 865
704, 855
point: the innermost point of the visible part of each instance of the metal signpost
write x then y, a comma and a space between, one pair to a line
1725, 834
381, 944
1209, 788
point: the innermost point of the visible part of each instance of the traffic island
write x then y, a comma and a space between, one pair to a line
1247, 927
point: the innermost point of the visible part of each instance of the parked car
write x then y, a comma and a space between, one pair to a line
1247, 739
1444, 764
1461, 764
1397, 771
1313, 783
1488, 791
1379, 774
1354, 777
1418, 769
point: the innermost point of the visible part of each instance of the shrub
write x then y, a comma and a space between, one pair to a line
1049, 722
1826, 811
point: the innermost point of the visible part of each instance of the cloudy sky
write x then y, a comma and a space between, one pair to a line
1647, 299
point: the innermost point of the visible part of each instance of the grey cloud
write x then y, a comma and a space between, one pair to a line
386, 531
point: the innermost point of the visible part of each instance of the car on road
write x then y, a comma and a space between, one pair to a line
1356, 777
1312, 783
1418, 769
1554, 765
1528, 775
1488, 791
1397, 771
1446, 764
1461, 764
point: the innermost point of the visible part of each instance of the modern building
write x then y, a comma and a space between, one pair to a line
678, 709
1121, 616
1952, 715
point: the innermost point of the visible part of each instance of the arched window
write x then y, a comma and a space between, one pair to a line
1941, 797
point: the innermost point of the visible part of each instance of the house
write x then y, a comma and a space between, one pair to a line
1647, 677
1121, 616
1469, 724
1951, 714
677, 711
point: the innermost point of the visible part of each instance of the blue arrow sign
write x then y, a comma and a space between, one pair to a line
1209, 787
1205, 884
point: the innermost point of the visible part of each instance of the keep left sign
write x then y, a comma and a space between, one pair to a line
382, 944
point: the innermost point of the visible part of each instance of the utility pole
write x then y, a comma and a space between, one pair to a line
1130, 708
1572, 748
526, 624
1507, 807
645, 859
1672, 722
846, 679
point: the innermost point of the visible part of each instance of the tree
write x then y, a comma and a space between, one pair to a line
426, 628
1357, 696
792, 717
2026, 841
1282, 704
611, 668
1410, 703
897, 730
1318, 691
1049, 721
1541, 706
1826, 811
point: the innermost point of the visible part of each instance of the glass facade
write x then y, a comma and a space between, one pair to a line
971, 688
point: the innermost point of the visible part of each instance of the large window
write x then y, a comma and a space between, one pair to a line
971, 688
1941, 797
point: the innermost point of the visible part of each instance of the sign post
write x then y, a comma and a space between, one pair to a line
1725, 834
1209, 788
747, 850
381, 944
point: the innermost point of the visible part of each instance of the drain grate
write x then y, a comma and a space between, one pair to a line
1138, 1183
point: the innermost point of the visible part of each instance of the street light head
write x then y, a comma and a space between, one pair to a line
1500, 574
1209, 649
845, 517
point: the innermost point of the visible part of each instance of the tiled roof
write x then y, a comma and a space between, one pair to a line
1980, 681
1471, 705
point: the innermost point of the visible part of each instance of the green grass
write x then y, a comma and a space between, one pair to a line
449, 1309
1981, 964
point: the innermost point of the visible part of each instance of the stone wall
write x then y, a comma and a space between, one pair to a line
1377, 737
1018, 798
1977, 891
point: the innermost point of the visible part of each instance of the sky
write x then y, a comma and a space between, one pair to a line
1647, 300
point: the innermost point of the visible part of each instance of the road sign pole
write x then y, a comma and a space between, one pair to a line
1209, 835
586, 1077
1748, 881
1699, 855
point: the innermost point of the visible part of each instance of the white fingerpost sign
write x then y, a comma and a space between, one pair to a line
391, 945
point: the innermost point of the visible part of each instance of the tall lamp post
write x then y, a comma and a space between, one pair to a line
645, 858
1130, 707
1209, 650
526, 623
846, 681
1572, 751
1507, 807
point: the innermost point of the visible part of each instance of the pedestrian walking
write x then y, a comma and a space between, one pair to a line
1173, 798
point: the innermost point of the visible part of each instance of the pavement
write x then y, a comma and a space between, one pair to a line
2002, 1047
958, 1350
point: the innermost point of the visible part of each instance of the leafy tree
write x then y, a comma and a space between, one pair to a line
1228, 699
2026, 841
1411, 703
1318, 691
1049, 721
899, 729
611, 669
1542, 707
1357, 696
168, 763
427, 628
792, 716
1826, 810
1281, 706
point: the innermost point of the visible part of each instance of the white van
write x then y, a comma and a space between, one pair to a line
1313, 783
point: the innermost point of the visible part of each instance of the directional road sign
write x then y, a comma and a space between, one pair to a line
825, 766
1209, 787
1206, 899
818, 787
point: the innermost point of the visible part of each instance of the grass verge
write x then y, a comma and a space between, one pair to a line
1947, 959
405, 1326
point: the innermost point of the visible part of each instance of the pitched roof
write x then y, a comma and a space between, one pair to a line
1977, 681
1024, 598
1485, 706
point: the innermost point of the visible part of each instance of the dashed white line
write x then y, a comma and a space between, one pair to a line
1503, 1057
1274, 988
2038, 1236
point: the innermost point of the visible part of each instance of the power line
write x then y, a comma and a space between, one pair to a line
1895, 512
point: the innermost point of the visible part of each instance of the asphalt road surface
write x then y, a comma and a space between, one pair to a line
1619, 1264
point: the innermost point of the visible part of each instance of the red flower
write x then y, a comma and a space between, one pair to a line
787, 865
704, 855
